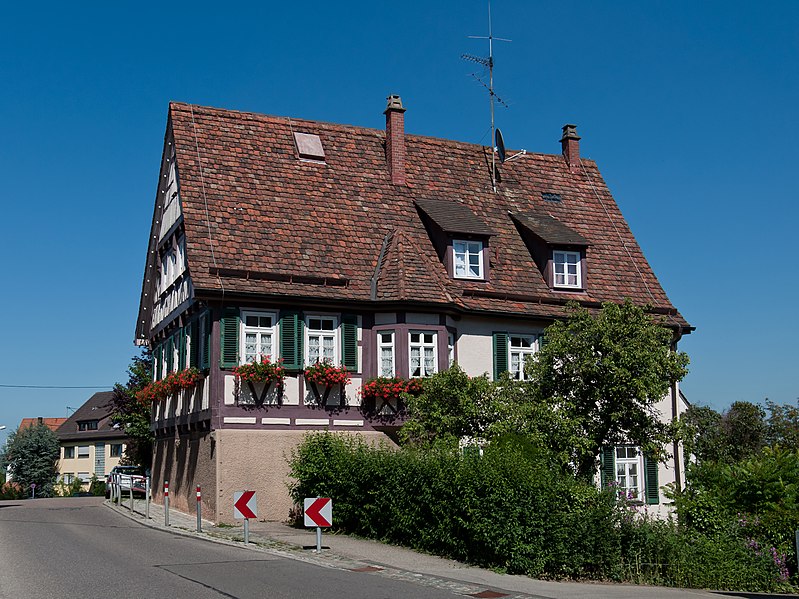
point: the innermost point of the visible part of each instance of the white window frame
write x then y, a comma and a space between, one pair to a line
68, 477
517, 354
111, 447
629, 471
84, 476
467, 250
389, 346
259, 331
450, 348
321, 333
560, 269
69, 452
80, 453
421, 345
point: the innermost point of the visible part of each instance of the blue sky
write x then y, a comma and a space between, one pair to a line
689, 108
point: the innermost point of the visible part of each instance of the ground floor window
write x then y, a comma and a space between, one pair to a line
628, 471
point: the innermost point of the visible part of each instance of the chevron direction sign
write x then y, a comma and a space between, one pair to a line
318, 511
244, 505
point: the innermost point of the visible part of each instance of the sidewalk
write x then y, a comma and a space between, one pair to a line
350, 553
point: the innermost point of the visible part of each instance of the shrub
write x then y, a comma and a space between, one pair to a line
515, 510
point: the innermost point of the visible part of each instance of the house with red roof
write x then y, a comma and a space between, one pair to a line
387, 253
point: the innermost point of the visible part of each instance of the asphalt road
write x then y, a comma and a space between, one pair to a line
76, 548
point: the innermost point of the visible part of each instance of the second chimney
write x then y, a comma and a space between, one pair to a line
570, 143
395, 139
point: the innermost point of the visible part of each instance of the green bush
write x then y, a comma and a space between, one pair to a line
514, 510
12, 490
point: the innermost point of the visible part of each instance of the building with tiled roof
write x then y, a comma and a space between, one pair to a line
51, 423
392, 254
91, 445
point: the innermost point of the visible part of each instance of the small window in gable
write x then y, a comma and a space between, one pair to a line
567, 269
468, 256
309, 146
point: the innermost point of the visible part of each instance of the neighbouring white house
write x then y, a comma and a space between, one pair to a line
389, 253
91, 445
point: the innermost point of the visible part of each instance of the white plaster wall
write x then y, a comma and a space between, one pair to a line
386, 318
416, 318
474, 341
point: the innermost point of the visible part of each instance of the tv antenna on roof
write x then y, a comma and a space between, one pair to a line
489, 62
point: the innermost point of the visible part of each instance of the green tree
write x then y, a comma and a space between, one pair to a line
702, 435
744, 427
783, 426
451, 406
133, 415
604, 373
32, 454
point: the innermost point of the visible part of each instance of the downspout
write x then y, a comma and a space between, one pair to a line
675, 415
677, 462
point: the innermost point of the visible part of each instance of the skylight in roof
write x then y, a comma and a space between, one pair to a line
309, 146
551, 197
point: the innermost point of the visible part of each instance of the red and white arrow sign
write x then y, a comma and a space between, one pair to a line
244, 505
318, 511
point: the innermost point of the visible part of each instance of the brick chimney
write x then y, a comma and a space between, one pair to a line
570, 143
395, 139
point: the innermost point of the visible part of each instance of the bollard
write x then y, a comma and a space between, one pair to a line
130, 486
166, 503
147, 497
199, 510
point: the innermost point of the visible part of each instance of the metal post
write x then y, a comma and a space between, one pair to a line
319, 539
246, 531
199, 510
147, 497
117, 490
166, 503
131, 493
797, 545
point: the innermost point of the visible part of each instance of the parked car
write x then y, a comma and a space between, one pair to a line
128, 477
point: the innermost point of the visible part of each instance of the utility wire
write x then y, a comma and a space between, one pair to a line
56, 387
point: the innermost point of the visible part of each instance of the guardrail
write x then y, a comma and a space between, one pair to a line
122, 484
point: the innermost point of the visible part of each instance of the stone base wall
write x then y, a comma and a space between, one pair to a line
186, 461
227, 461
257, 461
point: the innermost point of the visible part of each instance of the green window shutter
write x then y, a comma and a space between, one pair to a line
652, 486
608, 466
229, 338
170, 354
291, 332
349, 341
158, 356
182, 348
194, 343
500, 354
205, 360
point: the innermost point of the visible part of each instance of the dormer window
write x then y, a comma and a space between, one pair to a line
468, 257
558, 251
459, 236
567, 269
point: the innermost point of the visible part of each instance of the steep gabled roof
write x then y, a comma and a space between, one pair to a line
97, 407
259, 220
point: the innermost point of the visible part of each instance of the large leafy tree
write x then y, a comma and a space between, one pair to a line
604, 373
32, 454
132, 414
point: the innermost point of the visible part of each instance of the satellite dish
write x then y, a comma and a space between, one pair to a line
500, 145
